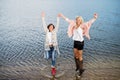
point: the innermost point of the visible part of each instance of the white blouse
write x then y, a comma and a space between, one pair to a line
78, 34
49, 35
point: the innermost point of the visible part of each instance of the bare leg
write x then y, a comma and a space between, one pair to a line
76, 55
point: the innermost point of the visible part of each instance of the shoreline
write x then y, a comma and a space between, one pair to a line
35, 73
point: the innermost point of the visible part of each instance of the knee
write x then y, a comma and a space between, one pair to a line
80, 58
76, 56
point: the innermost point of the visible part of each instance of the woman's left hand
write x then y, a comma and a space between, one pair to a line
59, 15
95, 15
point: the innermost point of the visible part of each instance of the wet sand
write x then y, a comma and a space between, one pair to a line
39, 72
35, 73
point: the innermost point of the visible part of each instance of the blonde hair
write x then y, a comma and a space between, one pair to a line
80, 18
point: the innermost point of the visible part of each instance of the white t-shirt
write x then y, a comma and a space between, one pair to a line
78, 34
49, 34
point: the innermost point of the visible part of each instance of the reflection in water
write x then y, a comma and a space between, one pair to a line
22, 39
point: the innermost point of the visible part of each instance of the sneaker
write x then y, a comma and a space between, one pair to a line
53, 71
78, 76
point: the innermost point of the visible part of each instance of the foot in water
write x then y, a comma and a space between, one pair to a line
81, 72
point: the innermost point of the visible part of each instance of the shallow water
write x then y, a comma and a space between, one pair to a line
22, 39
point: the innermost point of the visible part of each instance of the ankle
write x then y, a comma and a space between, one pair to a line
76, 69
52, 66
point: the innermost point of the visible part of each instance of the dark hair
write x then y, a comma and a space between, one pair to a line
50, 25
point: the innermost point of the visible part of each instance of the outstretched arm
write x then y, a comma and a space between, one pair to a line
92, 20
43, 21
65, 18
71, 24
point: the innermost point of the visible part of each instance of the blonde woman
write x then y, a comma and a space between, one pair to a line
78, 29
51, 44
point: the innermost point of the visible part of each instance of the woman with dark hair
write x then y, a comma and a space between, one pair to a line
51, 44
78, 29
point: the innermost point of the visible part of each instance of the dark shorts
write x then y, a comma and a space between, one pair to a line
79, 45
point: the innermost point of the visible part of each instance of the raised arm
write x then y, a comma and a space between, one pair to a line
57, 24
92, 20
86, 26
43, 21
65, 18
71, 24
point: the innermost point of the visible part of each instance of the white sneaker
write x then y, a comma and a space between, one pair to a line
78, 76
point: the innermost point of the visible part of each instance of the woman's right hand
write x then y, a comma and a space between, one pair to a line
43, 14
